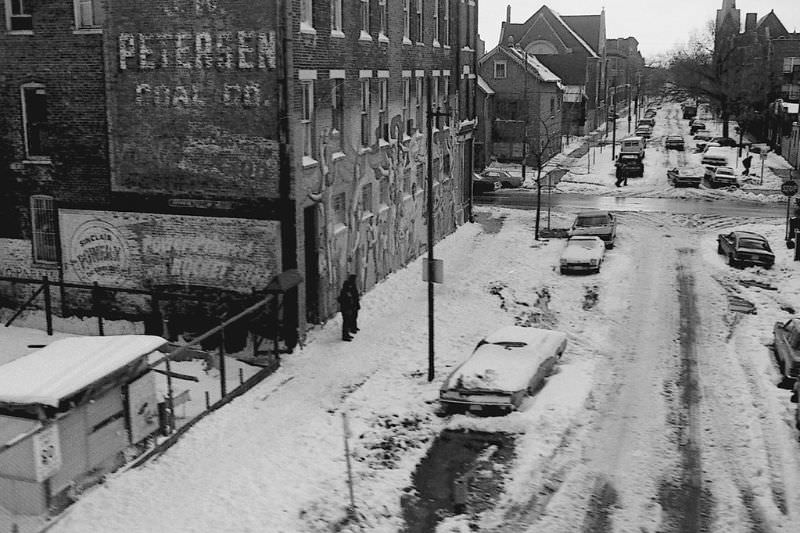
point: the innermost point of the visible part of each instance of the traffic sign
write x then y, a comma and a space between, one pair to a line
789, 188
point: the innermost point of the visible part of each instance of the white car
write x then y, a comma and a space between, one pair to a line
504, 368
583, 252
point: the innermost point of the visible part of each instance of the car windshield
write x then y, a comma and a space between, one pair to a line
753, 243
598, 220
724, 171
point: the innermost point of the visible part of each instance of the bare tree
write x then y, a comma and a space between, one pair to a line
724, 68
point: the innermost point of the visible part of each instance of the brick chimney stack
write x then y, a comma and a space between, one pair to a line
750, 22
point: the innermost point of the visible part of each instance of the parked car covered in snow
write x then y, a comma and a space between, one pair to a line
680, 177
743, 248
582, 253
601, 224
787, 347
644, 131
721, 177
505, 367
701, 138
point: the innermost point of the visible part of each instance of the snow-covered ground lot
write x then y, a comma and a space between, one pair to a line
663, 394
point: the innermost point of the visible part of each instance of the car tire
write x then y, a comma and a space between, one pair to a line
719, 249
731, 261
563, 270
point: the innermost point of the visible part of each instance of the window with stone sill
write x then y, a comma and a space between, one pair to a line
89, 14
19, 15
307, 117
420, 22
365, 16
383, 108
383, 11
406, 106
339, 213
365, 112
34, 121
407, 20
336, 16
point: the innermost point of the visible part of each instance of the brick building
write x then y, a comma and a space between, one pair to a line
573, 47
362, 70
204, 146
527, 105
764, 57
624, 69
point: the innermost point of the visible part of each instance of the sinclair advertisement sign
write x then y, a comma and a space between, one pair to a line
193, 97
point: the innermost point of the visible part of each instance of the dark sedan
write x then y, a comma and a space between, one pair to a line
725, 141
745, 248
674, 142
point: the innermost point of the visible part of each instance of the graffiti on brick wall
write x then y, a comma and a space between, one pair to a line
147, 250
375, 240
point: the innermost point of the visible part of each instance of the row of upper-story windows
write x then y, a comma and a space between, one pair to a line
375, 18
20, 16
372, 106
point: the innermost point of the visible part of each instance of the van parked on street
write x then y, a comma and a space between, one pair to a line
633, 144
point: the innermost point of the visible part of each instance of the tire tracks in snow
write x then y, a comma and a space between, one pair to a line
684, 501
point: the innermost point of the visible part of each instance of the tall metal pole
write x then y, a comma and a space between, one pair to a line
525, 125
430, 230
614, 121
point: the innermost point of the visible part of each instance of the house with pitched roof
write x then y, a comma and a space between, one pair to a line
527, 106
573, 47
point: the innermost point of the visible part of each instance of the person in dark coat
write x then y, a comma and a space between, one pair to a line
746, 164
353, 286
348, 304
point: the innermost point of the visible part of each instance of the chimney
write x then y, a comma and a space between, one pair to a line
508, 13
750, 22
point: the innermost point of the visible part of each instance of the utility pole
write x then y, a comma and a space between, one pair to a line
432, 115
614, 120
525, 125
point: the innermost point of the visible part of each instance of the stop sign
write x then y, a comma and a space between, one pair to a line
789, 188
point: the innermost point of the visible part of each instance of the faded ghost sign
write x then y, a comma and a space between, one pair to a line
193, 97
145, 249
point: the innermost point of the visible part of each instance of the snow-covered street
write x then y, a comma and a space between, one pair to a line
664, 413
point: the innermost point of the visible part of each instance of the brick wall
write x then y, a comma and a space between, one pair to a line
70, 67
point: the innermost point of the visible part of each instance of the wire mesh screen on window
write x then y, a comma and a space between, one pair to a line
43, 224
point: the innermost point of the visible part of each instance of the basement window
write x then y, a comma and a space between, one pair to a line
44, 229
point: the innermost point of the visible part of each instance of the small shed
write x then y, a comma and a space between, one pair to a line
70, 410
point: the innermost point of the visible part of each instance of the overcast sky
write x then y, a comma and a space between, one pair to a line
657, 25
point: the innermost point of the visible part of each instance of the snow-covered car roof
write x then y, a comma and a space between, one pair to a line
507, 360
67, 366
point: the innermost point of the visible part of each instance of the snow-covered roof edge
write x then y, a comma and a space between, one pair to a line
575, 34
67, 366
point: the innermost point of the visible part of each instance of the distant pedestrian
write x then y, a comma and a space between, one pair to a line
349, 305
352, 284
746, 164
